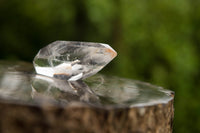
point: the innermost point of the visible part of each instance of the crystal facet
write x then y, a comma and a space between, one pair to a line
71, 60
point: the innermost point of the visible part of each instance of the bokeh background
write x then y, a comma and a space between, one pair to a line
157, 41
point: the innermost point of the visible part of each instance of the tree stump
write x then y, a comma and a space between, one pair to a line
31, 103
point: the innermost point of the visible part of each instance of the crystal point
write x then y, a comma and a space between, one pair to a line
71, 60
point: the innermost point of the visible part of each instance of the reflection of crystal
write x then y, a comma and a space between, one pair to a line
62, 91
72, 60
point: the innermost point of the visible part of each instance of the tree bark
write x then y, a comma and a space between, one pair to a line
16, 118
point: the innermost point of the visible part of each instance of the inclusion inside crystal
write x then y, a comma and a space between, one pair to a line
71, 60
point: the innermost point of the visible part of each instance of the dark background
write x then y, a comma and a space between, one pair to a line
157, 41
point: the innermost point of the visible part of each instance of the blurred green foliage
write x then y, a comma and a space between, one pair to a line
157, 41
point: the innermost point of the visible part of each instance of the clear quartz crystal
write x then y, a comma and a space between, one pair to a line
71, 60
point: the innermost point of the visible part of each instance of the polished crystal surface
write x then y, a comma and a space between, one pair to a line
71, 60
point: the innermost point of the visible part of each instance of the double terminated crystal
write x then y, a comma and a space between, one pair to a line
71, 60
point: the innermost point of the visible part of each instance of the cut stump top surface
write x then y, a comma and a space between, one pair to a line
20, 84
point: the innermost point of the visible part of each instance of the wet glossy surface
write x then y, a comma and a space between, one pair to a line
20, 84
